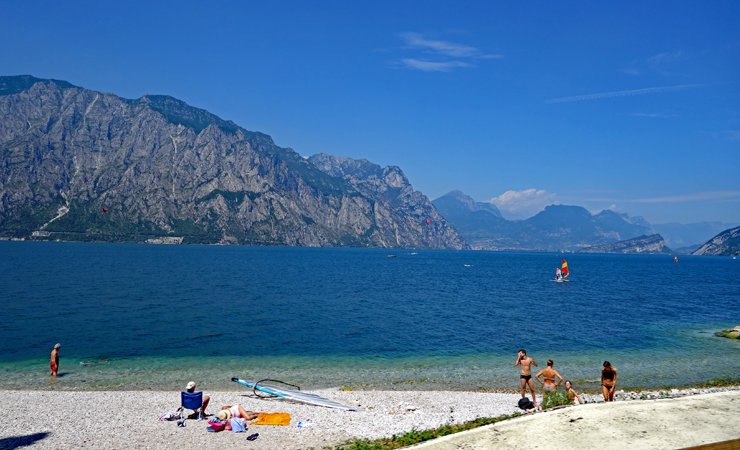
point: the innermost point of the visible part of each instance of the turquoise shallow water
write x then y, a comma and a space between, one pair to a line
154, 317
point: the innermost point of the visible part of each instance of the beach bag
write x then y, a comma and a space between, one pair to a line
216, 424
526, 403
175, 414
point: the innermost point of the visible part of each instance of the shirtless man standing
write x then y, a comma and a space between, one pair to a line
526, 377
54, 360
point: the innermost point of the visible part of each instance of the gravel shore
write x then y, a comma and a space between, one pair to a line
129, 419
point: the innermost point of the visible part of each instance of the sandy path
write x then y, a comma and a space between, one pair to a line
666, 424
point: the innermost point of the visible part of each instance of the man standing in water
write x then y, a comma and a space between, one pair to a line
526, 377
54, 360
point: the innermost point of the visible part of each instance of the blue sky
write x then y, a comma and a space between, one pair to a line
633, 106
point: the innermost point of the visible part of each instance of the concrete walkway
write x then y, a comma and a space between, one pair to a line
647, 424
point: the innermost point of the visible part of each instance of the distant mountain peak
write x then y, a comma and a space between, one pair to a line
455, 204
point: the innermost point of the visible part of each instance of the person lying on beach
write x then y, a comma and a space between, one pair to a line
549, 374
608, 381
236, 411
571, 394
526, 375
54, 364
191, 388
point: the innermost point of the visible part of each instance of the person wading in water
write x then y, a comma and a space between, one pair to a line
526, 376
54, 361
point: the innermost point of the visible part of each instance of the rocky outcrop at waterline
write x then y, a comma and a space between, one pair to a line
92, 166
644, 244
732, 334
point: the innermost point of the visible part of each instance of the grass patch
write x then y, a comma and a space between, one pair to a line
415, 436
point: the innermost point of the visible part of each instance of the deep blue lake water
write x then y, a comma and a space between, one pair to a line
156, 316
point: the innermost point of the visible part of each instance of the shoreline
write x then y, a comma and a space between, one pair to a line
129, 419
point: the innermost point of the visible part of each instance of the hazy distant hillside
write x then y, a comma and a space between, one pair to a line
162, 168
456, 204
558, 227
686, 235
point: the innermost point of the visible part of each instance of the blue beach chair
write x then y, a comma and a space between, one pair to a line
193, 401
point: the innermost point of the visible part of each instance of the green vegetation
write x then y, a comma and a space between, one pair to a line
557, 398
728, 334
23, 222
415, 436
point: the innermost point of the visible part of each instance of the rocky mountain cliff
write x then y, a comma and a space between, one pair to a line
82, 165
558, 227
727, 243
644, 244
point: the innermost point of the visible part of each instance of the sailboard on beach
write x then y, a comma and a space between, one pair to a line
293, 394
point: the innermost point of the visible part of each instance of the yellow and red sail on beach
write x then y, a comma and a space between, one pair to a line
564, 269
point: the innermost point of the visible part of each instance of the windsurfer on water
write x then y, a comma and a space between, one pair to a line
557, 274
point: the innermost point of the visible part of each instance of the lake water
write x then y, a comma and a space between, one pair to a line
157, 316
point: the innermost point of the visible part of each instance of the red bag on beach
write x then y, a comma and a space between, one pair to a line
215, 425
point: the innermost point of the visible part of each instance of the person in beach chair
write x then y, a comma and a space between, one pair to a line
195, 401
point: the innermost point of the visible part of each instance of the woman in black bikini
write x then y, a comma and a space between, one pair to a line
608, 381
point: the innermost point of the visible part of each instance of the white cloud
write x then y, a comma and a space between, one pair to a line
431, 66
435, 55
653, 115
728, 135
707, 196
657, 63
523, 204
665, 58
416, 40
623, 93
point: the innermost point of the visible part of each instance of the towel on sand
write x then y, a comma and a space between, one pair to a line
237, 425
272, 419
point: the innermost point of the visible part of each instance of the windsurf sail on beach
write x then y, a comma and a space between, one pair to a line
292, 394
564, 269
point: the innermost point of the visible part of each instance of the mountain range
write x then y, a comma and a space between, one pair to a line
558, 227
76, 164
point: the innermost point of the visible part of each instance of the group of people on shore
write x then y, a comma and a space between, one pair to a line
549, 375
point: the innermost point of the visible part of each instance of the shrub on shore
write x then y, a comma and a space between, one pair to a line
414, 436
557, 398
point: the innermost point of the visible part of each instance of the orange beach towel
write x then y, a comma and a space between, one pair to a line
272, 419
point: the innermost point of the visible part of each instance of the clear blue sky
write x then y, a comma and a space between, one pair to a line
629, 105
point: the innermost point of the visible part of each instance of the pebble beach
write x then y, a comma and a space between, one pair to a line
130, 419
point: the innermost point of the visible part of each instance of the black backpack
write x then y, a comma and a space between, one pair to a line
526, 403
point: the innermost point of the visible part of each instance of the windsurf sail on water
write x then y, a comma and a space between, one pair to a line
293, 394
564, 269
